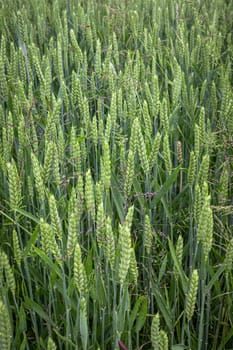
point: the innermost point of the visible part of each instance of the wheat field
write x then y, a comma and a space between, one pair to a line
116, 167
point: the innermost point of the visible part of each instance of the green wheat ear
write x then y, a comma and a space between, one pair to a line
155, 150
147, 121
129, 217
94, 131
167, 154
89, 193
179, 249
100, 225
133, 266
196, 141
164, 115
14, 185
48, 241
48, 160
177, 83
125, 252
202, 127
223, 184
37, 171
209, 234
73, 203
80, 277
197, 203
106, 166
72, 233
17, 250
163, 342
205, 220
179, 152
5, 328
148, 234
134, 137
142, 151
51, 345
192, 295
229, 256
109, 242
98, 59
129, 173
9, 275
155, 333
192, 168
55, 219
78, 52
203, 171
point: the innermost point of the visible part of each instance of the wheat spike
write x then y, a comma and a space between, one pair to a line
55, 219
14, 185
51, 345
148, 234
125, 252
167, 154
192, 295
5, 328
10, 278
109, 242
80, 277
192, 168
155, 333
17, 250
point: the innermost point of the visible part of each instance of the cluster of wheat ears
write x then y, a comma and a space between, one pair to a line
116, 139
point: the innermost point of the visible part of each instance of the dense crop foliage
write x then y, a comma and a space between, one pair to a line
116, 138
